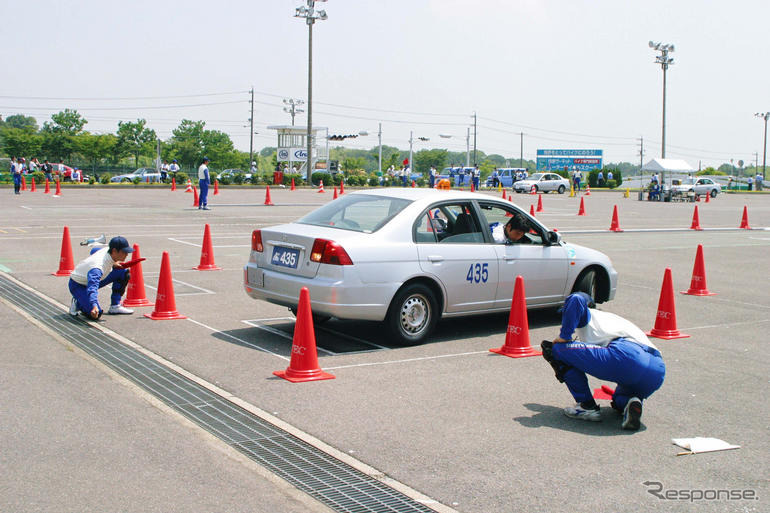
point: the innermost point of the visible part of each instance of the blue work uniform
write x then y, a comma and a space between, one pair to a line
94, 273
204, 182
609, 348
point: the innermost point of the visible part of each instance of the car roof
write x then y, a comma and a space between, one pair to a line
424, 195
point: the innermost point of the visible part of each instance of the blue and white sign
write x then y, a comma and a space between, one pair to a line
292, 154
557, 160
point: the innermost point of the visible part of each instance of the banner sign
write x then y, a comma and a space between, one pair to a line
557, 160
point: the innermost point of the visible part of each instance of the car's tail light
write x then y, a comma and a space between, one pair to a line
256, 241
329, 252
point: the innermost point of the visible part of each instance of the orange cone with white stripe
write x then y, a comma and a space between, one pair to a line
321, 187
189, 186
517, 335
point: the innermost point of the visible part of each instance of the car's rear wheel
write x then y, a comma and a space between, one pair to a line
713, 193
412, 315
562, 189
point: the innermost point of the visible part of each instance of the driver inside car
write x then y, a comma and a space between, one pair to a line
511, 232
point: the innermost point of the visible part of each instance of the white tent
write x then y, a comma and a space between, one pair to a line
668, 165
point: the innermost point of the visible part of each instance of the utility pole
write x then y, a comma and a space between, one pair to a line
521, 149
665, 61
251, 129
410, 148
764, 116
379, 137
474, 139
468, 148
641, 156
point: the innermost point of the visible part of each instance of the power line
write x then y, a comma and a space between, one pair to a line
120, 98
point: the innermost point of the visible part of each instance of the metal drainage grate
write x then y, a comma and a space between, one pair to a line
330, 481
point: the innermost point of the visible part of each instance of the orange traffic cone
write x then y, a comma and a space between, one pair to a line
293, 188
216, 187
303, 365
582, 209
335, 193
342, 187
23, 183
473, 189
539, 204
615, 224
207, 253
47, 187
695, 220
321, 188
698, 281
173, 184
33, 188
58, 188
532, 210
665, 321
588, 190
745, 220
533, 190
66, 262
517, 335
165, 304
504, 194
135, 294
195, 197
268, 201
707, 197
189, 186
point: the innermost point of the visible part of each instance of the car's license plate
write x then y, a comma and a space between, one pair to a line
285, 257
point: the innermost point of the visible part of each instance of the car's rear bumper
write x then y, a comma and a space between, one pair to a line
356, 300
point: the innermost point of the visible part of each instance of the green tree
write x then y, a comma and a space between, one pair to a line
219, 148
68, 122
19, 142
424, 159
21, 121
135, 139
95, 147
186, 144
59, 135
353, 163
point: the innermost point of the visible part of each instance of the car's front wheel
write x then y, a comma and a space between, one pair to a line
412, 315
562, 189
588, 283
713, 193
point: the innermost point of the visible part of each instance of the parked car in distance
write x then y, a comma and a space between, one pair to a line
700, 186
64, 172
506, 176
145, 174
410, 256
543, 182
230, 174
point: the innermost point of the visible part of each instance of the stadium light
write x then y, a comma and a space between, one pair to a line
665, 61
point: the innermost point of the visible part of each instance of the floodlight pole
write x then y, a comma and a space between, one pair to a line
379, 137
764, 116
665, 61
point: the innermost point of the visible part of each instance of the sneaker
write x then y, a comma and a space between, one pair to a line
632, 414
74, 307
118, 310
205, 207
578, 412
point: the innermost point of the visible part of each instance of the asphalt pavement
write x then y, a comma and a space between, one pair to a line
476, 431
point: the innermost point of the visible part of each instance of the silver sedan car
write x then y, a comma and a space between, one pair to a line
410, 256
543, 182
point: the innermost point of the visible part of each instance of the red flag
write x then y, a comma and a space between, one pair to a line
406, 162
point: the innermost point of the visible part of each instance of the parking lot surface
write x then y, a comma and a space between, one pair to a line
475, 431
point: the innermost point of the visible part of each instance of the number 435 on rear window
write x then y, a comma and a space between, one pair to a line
478, 273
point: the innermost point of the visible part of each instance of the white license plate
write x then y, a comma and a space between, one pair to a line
285, 257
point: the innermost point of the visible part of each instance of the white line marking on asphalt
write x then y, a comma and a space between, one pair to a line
406, 360
216, 246
202, 290
284, 335
184, 242
725, 325
250, 344
26, 207
711, 299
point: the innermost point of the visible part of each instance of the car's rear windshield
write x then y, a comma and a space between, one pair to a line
360, 212
536, 176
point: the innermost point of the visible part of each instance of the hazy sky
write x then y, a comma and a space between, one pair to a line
567, 73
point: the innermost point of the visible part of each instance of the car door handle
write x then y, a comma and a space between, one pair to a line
435, 258
509, 257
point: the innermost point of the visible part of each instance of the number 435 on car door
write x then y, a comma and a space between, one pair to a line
478, 272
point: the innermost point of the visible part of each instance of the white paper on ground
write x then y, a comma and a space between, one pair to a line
703, 444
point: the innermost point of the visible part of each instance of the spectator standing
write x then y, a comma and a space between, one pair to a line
253, 169
47, 169
16, 174
600, 178
173, 168
476, 177
750, 182
164, 168
432, 176
578, 179
609, 176
204, 181
758, 185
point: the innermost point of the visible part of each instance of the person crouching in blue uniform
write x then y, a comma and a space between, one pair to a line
204, 180
99, 269
609, 348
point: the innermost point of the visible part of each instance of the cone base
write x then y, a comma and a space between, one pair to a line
207, 267
269, 204
137, 302
698, 292
302, 376
162, 316
61, 273
666, 334
696, 228
615, 230
516, 352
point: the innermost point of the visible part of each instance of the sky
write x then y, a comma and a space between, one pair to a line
568, 74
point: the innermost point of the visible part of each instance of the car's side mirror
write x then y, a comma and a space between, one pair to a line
554, 238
